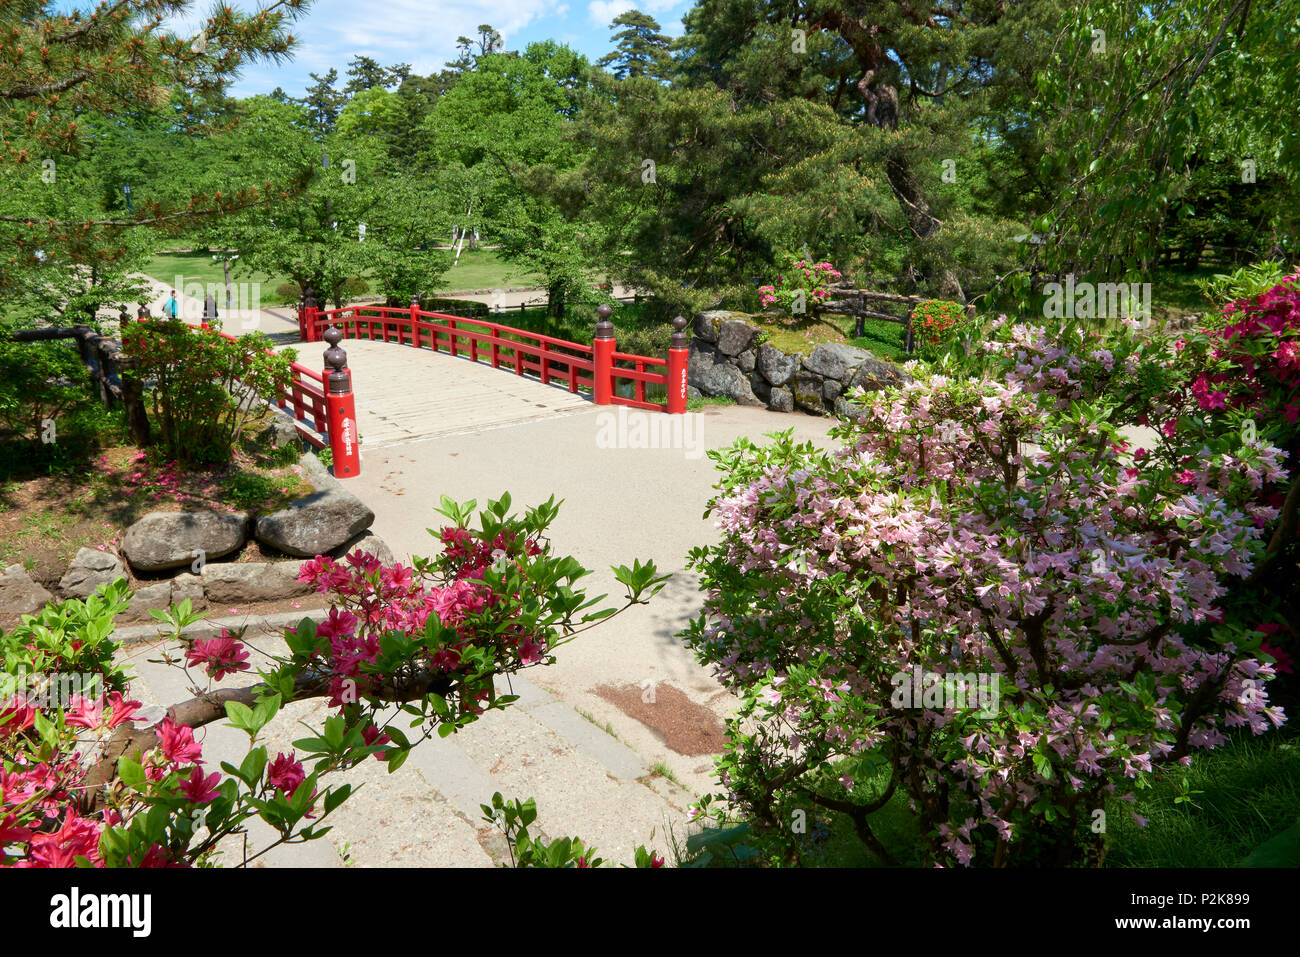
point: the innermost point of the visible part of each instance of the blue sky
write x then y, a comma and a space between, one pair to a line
423, 32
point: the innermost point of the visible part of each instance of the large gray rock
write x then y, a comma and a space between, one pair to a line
19, 595
831, 389
236, 582
371, 544
708, 324
706, 328
315, 524
746, 360
806, 388
846, 409
701, 359
776, 366
164, 540
279, 432
186, 585
157, 595
724, 379
835, 360
734, 337
781, 400
90, 569
874, 374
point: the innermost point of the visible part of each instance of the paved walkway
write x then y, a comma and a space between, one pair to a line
435, 425
404, 394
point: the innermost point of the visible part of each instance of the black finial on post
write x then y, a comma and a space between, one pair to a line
123, 317
336, 362
143, 312
309, 298
680, 339
604, 328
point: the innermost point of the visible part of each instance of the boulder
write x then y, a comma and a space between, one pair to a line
874, 374
706, 329
835, 360
846, 409
186, 585
693, 393
279, 432
831, 390
315, 524
781, 400
702, 358
746, 360
776, 366
807, 390
230, 583
19, 595
164, 540
90, 569
708, 324
734, 337
724, 379
371, 544
157, 595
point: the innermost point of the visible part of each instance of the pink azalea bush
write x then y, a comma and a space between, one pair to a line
799, 275
991, 532
95, 781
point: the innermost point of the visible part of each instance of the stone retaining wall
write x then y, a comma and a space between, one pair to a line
728, 360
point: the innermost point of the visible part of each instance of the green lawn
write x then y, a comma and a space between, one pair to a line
480, 269
484, 269
174, 269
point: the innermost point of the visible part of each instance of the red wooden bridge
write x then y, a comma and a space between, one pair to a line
323, 404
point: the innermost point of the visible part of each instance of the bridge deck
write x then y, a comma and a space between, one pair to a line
405, 394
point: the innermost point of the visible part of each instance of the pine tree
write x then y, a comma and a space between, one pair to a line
324, 101
364, 73
641, 50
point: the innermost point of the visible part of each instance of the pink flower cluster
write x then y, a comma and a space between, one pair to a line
988, 527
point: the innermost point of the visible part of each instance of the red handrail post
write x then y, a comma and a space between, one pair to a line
309, 307
602, 351
679, 360
340, 408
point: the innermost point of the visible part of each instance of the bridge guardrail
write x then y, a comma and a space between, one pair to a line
517, 350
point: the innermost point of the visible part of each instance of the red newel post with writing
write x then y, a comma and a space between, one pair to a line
602, 348
679, 360
340, 408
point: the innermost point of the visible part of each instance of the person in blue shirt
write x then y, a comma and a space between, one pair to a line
169, 307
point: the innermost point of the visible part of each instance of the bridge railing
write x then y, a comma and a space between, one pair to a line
597, 367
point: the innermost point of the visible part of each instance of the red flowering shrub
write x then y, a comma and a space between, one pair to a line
1240, 379
94, 780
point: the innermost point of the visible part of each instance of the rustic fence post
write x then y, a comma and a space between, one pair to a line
137, 420
340, 408
602, 349
679, 359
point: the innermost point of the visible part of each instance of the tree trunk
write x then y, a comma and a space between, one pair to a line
555, 300
881, 101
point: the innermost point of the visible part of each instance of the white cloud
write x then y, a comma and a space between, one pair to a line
604, 11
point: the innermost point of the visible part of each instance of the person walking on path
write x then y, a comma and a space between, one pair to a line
169, 307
